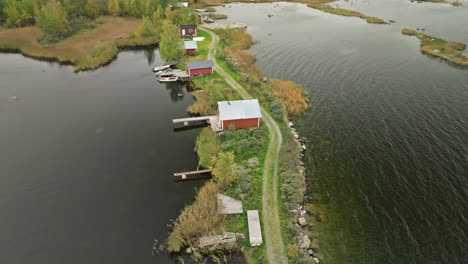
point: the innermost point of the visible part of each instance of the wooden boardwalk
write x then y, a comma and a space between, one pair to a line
197, 121
188, 173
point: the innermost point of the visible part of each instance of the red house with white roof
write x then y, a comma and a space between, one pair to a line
239, 113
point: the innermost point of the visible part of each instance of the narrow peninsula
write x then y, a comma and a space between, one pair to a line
447, 50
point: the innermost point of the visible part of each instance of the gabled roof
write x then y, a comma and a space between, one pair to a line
188, 26
189, 44
239, 109
199, 64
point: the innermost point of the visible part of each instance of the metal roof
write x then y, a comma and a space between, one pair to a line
199, 64
239, 109
188, 26
189, 44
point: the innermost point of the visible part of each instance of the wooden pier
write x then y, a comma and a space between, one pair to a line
197, 121
184, 175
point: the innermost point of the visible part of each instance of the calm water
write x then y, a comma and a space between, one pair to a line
86, 161
387, 131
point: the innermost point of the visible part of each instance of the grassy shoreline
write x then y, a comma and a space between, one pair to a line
447, 50
87, 50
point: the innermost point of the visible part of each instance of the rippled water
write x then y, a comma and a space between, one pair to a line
387, 131
86, 161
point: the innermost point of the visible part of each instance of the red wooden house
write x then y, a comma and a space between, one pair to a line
239, 113
196, 68
190, 46
188, 30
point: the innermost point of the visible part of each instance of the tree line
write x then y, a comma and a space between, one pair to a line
58, 17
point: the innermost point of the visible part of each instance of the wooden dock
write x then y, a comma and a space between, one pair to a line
197, 121
184, 175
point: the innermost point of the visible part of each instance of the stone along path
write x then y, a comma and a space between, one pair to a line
270, 204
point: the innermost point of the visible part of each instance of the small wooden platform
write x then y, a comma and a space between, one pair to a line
189, 173
226, 238
197, 121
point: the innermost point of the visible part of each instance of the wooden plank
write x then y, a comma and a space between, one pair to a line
188, 119
188, 173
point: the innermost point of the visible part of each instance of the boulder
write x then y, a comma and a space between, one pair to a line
311, 252
290, 124
316, 260
302, 221
305, 242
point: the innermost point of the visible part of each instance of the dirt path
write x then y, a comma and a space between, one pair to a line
270, 212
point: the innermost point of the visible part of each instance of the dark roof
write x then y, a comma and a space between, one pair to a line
199, 64
188, 26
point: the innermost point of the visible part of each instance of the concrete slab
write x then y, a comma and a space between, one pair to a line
255, 231
228, 205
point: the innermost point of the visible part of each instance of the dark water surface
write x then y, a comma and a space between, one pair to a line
387, 130
86, 161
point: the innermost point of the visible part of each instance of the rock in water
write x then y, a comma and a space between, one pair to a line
316, 260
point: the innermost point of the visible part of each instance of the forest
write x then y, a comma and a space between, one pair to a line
61, 18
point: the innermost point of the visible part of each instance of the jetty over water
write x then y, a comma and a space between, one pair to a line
197, 121
184, 175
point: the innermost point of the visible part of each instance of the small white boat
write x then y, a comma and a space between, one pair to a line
200, 10
161, 68
166, 72
168, 79
208, 20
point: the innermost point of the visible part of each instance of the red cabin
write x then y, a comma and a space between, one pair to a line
196, 68
190, 46
239, 113
196, 1
188, 30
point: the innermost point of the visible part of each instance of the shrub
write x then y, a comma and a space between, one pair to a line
224, 171
145, 30
207, 146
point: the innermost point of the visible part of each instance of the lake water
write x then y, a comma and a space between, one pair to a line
387, 130
86, 161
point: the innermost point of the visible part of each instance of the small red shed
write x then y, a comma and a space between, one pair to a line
196, 68
188, 30
196, 1
239, 113
190, 46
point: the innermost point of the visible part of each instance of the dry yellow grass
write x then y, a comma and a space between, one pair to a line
199, 219
291, 95
86, 50
447, 50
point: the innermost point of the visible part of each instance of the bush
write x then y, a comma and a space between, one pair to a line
224, 171
145, 30
207, 146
